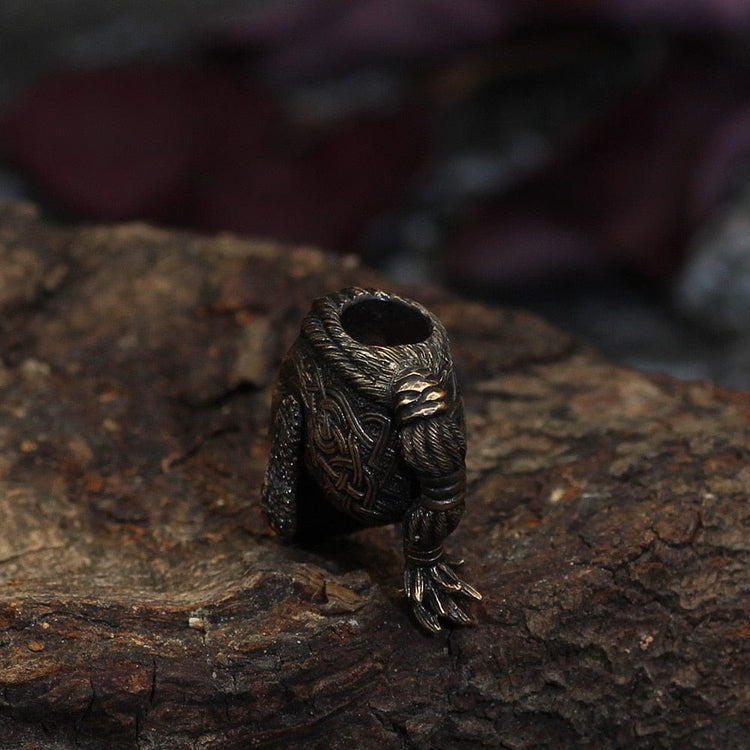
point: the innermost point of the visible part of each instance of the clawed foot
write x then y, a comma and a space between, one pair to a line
433, 590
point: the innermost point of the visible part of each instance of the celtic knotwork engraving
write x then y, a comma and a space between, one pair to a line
349, 446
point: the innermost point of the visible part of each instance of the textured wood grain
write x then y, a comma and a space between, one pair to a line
145, 603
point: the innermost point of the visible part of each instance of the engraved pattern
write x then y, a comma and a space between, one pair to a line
282, 475
351, 449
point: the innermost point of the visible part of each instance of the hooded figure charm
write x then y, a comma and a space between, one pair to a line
368, 430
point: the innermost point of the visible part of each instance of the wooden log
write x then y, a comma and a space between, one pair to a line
145, 603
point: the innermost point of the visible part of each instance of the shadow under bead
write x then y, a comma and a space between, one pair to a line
368, 429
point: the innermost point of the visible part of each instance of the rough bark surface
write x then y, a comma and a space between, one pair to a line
145, 603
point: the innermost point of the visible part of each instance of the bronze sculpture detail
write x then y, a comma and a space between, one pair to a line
368, 430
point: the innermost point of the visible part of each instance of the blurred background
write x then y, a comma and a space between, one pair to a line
587, 159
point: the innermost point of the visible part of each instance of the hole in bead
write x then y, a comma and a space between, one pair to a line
385, 322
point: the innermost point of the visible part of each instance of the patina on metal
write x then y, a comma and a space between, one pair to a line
368, 429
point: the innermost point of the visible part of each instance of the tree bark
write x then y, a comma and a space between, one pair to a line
145, 603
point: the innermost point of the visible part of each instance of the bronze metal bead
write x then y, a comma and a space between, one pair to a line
368, 429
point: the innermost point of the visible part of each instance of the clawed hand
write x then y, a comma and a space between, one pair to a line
433, 590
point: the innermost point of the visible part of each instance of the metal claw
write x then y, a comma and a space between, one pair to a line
425, 618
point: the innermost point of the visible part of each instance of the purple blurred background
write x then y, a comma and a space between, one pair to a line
588, 160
